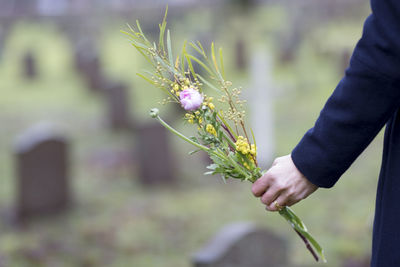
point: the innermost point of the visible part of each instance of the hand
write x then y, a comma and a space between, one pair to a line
282, 183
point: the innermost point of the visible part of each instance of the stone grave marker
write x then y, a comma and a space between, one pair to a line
29, 65
262, 115
240, 50
42, 173
154, 155
87, 63
117, 99
243, 245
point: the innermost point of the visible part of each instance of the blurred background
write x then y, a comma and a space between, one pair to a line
88, 179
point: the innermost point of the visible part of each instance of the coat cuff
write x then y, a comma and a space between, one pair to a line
312, 166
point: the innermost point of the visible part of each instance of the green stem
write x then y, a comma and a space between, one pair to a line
166, 125
238, 167
229, 140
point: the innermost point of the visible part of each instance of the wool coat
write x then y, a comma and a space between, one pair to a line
365, 100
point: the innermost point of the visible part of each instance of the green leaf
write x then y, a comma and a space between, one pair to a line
214, 59
212, 166
189, 63
183, 58
298, 225
198, 49
163, 26
145, 78
194, 151
296, 218
200, 63
142, 34
227, 125
222, 63
208, 83
194, 139
254, 139
202, 49
129, 34
171, 60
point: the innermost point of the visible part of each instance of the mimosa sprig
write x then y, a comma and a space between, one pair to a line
221, 129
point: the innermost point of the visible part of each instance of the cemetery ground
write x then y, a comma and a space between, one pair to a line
116, 221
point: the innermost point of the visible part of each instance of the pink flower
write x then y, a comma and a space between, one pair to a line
191, 99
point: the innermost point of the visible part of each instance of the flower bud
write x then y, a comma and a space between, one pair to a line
190, 99
154, 112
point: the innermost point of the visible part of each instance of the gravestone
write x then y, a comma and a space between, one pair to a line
154, 155
117, 99
88, 64
262, 115
243, 245
42, 173
29, 66
240, 49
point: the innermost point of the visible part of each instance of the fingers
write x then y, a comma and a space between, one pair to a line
284, 197
269, 197
260, 186
283, 183
280, 202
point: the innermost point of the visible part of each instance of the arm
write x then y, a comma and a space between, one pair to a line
359, 107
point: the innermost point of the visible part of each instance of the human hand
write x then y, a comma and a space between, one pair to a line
282, 185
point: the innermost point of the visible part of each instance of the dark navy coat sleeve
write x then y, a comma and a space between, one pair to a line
361, 104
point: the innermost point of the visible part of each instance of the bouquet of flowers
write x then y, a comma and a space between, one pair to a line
221, 128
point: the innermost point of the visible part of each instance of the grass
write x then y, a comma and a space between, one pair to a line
115, 221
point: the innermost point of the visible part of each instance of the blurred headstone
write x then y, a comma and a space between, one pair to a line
29, 65
87, 62
262, 115
118, 105
241, 62
42, 172
290, 40
243, 245
154, 155
288, 47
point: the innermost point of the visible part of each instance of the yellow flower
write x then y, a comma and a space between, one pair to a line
190, 118
211, 106
246, 165
253, 150
176, 87
210, 129
200, 120
242, 146
251, 158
